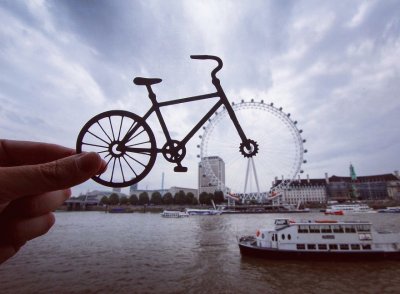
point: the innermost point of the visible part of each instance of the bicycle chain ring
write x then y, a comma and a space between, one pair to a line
248, 152
171, 153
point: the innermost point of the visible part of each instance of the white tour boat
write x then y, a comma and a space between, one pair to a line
349, 208
192, 211
321, 240
174, 214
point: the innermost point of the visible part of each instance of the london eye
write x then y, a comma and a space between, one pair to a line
278, 159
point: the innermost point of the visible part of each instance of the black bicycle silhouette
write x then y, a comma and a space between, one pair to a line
127, 143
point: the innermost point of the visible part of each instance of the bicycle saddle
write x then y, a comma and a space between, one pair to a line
146, 81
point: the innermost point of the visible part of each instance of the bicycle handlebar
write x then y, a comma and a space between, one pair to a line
216, 58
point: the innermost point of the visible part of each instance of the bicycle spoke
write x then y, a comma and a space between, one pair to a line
138, 143
130, 139
122, 172
113, 168
94, 145
112, 130
130, 166
131, 128
103, 152
104, 131
135, 160
98, 137
120, 127
145, 151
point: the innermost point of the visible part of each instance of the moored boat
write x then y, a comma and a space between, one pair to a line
191, 211
321, 240
350, 208
174, 214
394, 209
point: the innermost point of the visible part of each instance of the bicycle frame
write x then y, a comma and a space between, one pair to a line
157, 105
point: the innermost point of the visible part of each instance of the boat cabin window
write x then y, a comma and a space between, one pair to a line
344, 246
333, 247
314, 229
355, 246
301, 246
311, 246
326, 229
338, 229
322, 247
366, 246
289, 237
363, 228
282, 222
283, 236
302, 229
349, 229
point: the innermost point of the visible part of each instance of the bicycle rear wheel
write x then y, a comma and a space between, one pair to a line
105, 133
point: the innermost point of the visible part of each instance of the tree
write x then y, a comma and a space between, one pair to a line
167, 199
189, 198
114, 199
143, 198
195, 201
156, 198
123, 200
104, 200
179, 198
133, 199
218, 197
204, 198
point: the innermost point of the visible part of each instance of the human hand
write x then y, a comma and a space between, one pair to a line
34, 180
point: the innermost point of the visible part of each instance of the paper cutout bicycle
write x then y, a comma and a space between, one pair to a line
127, 143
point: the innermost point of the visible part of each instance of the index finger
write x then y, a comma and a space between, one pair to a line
20, 181
14, 153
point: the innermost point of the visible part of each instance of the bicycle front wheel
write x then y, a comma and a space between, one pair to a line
105, 133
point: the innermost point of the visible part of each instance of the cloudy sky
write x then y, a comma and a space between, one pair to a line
334, 65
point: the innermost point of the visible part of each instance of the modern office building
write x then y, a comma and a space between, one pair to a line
211, 174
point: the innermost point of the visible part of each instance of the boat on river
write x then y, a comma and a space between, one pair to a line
174, 214
321, 240
393, 209
340, 209
192, 211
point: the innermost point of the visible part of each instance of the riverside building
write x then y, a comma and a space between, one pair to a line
211, 175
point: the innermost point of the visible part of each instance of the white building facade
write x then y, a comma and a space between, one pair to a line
211, 176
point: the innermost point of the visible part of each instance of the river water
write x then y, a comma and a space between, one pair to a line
97, 252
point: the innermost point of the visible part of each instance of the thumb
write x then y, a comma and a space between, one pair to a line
19, 181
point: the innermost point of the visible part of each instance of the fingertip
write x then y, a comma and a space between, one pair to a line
67, 193
51, 219
90, 162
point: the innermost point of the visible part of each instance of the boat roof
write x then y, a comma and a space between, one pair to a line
319, 221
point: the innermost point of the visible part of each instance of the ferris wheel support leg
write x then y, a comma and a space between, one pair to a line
256, 179
246, 179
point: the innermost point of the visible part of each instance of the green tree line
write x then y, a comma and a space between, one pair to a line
180, 198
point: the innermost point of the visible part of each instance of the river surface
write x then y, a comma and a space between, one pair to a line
97, 252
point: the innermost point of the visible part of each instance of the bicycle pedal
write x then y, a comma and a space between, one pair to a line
180, 169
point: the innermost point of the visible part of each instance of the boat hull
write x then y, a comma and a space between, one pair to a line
248, 249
